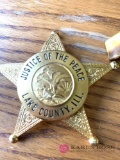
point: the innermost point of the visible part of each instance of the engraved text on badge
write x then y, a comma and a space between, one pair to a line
52, 85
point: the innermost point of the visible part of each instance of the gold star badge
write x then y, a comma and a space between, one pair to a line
53, 85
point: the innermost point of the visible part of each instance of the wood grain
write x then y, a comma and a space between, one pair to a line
83, 26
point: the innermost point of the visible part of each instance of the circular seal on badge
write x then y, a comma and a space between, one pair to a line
52, 85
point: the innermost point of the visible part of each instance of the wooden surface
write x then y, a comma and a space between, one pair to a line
84, 26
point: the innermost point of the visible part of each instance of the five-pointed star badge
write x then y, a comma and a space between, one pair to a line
78, 121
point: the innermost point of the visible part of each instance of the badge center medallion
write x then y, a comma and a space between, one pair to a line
48, 85
53, 84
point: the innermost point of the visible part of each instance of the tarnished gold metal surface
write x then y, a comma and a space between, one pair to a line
57, 82
53, 85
